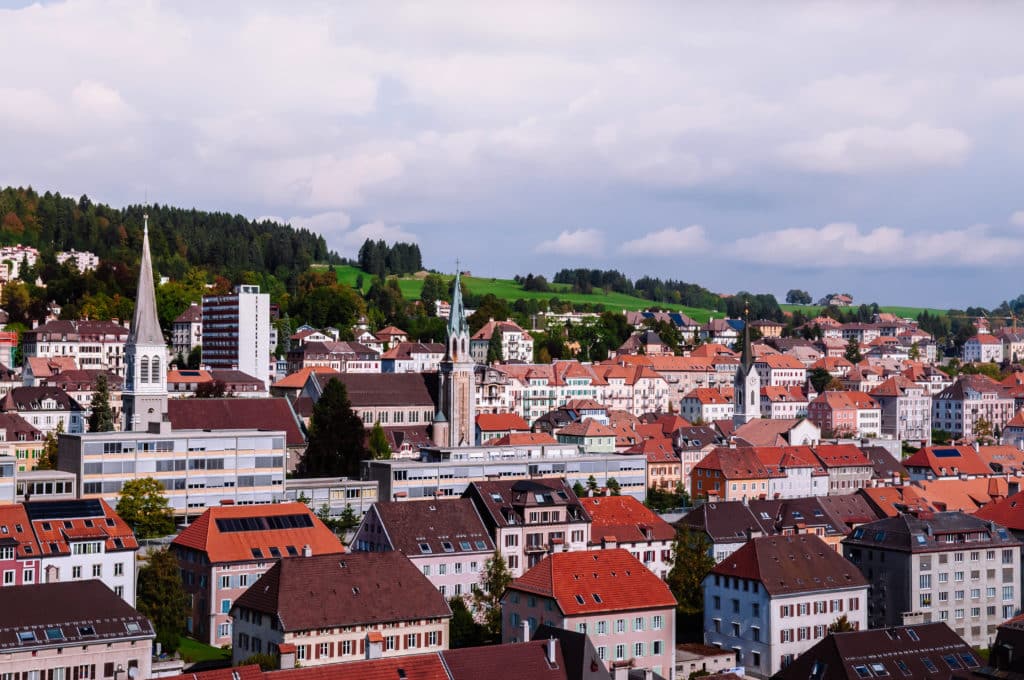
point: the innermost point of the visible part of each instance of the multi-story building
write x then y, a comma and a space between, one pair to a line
45, 408
728, 474
529, 519
19, 550
516, 344
705, 405
775, 597
343, 357
20, 440
198, 468
780, 370
82, 260
412, 357
187, 330
847, 467
391, 399
336, 608
73, 630
624, 522
626, 610
447, 472
946, 566
906, 409
972, 398
81, 385
589, 435
846, 414
446, 540
91, 344
635, 389
983, 348
783, 403
229, 547
7, 483
84, 539
793, 471
236, 331
333, 493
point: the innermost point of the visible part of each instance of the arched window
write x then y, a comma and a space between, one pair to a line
144, 370
154, 370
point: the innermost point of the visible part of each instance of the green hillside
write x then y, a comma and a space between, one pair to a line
898, 310
510, 290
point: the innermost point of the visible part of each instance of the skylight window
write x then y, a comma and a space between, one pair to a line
858, 533
480, 545
862, 671
496, 497
275, 551
465, 545
878, 669
597, 598
539, 497
904, 668
54, 634
580, 600
879, 536
425, 548
292, 552
26, 636
86, 630
257, 553
969, 660
1002, 534
929, 666
447, 547
912, 634
133, 627
952, 661
797, 514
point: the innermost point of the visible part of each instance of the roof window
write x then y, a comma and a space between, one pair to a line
580, 600
447, 547
425, 548
26, 636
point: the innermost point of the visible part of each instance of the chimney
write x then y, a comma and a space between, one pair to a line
526, 630
286, 657
551, 651
307, 551
374, 645
608, 542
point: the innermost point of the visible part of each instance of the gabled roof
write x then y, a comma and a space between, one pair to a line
85, 612
926, 532
889, 501
738, 463
780, 361
841, 455
16, 530
504, 503
980, 384
783, 395
229, 413
15, 426
1008, 512
707, 396
896, 386
942, 460
883, 462
332, 591
407, 350
695, 437
192, 314
231, 533
767, 431
725, 522
522, 439
367, 390
501, 422
785, 565
595, 581
31, 399
445, 526
588, 427
57, 524
297, 380
84, 380
516, 661
625, 519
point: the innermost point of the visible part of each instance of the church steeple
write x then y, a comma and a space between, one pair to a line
746, 386
748, 354
455, 422
145, 353
458, 327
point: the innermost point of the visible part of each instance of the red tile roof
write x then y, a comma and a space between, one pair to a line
297, 380
739, 463
707, 395
17, 528
841, 455
75, 517
221, 546
1008, 512
626, 519
501, 422
619, 581
964, 458
588, 427
522, 439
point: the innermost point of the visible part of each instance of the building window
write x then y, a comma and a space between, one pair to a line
119, 569
225, 606
410, 640
97, 570
620, 652
76, 572
325, 648
638, 649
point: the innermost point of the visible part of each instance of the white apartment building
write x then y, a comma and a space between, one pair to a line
783, 403
971, 398
92, 344
984, 347
781, 370
706, 405
83, 261
516, 344
776, 596
187, 330
236, 331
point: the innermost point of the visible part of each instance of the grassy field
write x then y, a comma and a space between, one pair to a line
510, 290
898, 310
194, 651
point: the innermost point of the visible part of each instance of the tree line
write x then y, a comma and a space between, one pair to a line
377, 258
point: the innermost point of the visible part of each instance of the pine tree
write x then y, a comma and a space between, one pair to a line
613, 486
465, 631
101, 419
336, 436
853, 354
494, 349
161, 598
494, 579
379, 447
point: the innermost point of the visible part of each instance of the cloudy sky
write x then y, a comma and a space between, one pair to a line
863, 147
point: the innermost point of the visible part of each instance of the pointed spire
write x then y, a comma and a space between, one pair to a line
457, 318
748, 354
145, 329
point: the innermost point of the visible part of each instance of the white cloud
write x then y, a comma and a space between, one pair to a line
1017, 218
669, 242
870, 149
589, 242
1007, 87
101, 102
844, 244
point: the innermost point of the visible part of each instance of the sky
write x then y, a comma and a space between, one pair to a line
869, 148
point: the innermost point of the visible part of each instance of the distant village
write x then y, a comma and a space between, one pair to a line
846, 500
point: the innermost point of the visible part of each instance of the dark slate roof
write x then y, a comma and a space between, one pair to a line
192, 314
446, 526
507, 662
77, 330
231, 413
330, 591
725, 522
977, 383
498, 502
578, 653
926, 532
31, 399
695, 437
882, 461
15, 426
791, 564
898, 652
367, 390
84, 380
85, 612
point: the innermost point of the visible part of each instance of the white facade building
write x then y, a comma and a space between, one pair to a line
236, 331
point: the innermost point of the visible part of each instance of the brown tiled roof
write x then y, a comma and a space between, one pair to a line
331, 591
31, 398
445, 526
86, 612
230, 533
502, 501
588, 427
766, 431
791, 564
236, 413
82, 380
15, 426
367, 390
192, 314
517, 661
739, 463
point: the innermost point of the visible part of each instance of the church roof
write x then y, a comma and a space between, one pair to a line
145, 329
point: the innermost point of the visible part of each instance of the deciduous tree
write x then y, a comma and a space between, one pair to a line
494, 580
143, 505
691, 562
379, 447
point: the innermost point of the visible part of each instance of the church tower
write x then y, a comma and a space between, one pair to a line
455, 422
145, 353
746, 386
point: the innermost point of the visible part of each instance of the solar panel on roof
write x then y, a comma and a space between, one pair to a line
946, 453
62, 509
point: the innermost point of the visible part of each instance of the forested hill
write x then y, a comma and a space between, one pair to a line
222, 244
